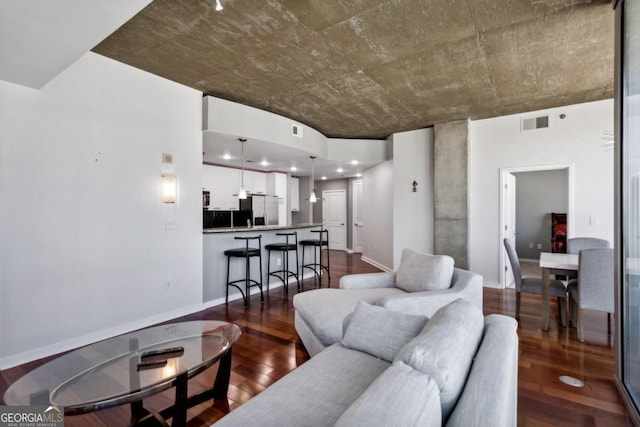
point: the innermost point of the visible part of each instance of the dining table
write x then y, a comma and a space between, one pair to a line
558, 263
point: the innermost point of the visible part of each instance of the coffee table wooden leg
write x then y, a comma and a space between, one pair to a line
545, 298
221, 385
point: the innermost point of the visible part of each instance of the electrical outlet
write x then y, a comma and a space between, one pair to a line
530, 245
278, 262
171, 224
539, 246
167, 285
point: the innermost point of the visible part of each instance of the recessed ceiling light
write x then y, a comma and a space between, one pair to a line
340, 170
264, 163
358, 175
226, 157
293, 168
324, 178
354, 162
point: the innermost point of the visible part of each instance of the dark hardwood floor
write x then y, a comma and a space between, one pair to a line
269, 349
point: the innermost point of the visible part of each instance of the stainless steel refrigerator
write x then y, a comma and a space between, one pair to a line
264, 209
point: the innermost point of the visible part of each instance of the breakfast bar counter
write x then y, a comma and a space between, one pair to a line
217, 240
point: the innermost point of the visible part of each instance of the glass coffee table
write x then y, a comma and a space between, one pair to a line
130, 367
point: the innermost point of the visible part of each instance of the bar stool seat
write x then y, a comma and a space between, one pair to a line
247, 253
285, 273
317, 266
242, 252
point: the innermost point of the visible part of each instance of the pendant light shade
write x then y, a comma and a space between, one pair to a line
312, 196
242, 193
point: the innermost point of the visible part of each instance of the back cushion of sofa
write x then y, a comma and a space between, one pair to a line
423, 272
380, 332
401, 396
445, 348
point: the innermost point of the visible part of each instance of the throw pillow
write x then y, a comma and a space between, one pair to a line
423, 272
380, 332
401, 396
445, 348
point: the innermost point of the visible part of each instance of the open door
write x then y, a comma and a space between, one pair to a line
509, 216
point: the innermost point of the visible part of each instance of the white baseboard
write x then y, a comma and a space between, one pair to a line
493, 285
376, 264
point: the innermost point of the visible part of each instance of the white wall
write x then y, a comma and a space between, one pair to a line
498, 143
412, 212
84, 253
377, 236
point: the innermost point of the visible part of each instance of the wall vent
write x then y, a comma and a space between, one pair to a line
296, 130
535, 123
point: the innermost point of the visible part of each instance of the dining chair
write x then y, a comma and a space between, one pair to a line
593, 289
533, 285
574, 246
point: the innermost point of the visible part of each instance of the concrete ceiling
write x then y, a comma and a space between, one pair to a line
369, 68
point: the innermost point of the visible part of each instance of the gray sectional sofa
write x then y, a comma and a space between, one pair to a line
457, 368
422, 284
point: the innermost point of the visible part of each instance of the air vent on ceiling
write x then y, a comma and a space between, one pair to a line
535, 123
296, 130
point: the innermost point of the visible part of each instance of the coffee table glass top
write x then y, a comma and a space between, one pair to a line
106, 373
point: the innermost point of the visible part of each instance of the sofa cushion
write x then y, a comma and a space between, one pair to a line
401, 396
325, 309
423, 272
380, 332
314, 394
445, 348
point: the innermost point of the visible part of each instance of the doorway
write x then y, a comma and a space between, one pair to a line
509, 227
334, 217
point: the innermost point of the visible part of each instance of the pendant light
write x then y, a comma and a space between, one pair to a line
242, 193
312, 196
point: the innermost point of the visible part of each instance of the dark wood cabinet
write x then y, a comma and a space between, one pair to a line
559, 232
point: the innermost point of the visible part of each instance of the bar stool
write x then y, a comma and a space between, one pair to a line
317, 266
285, 273
247, 253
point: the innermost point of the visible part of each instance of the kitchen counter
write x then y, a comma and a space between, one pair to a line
259, 228
217, 240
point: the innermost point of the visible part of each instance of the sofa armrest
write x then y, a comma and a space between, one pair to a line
368, 280
493, 378
466, 285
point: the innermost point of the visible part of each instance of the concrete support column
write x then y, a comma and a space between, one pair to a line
451, 219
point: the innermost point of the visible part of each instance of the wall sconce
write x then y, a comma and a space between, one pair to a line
414, 186
169, 188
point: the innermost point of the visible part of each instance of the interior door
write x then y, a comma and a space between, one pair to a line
334, 217
509, 224
357, 215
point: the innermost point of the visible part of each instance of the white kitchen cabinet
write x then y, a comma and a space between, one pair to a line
222, 183
277, 184
255, 182
294, 193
